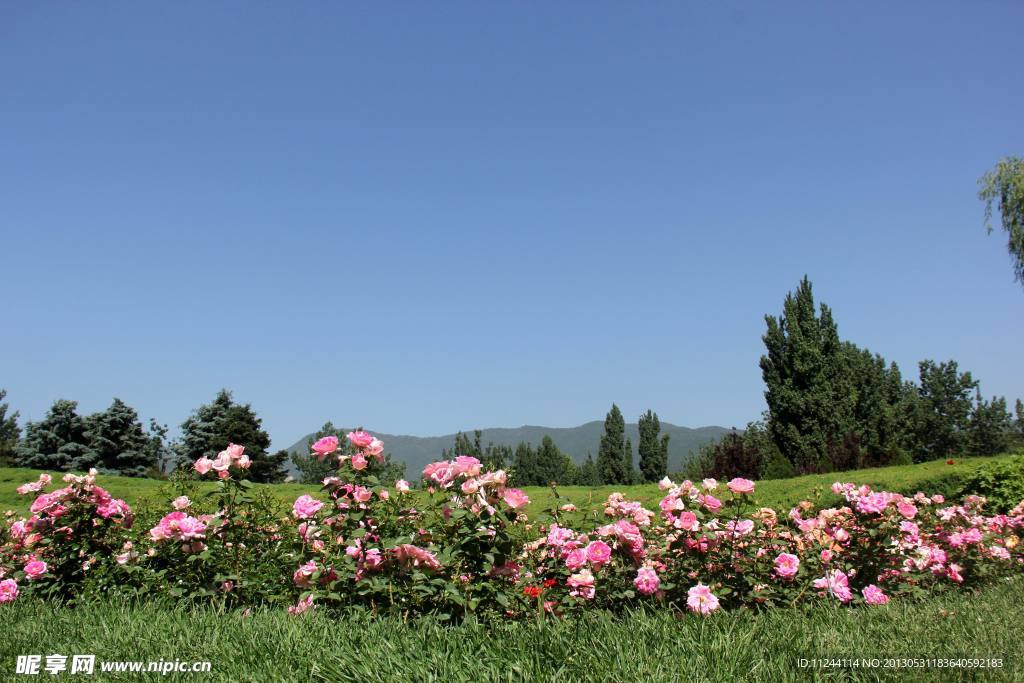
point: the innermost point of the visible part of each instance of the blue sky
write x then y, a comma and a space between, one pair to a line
422, 217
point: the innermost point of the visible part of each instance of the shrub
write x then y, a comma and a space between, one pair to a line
1001, 483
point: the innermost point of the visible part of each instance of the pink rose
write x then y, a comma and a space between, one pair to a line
203, 465
304, 605
515, 498
701, 600
402, 486
359, 462
35, 569
325, 446
647, 581
360, 439
8, 590
576, 559
908, 510
786, 565
305, 506
180, 503
710, 502
873, 595
376, 449
362, 494
234, 451
741, 485
599, 553
687, 520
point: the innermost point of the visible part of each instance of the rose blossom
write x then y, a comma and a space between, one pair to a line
305, 506
873, 595
741, 485
599, 553
203, 465
360, 439
576, 559
35, 569
8, 590
180, 503
359, 462
402, 486
647, 581
786, 565
325, 446
515, 498
701, 600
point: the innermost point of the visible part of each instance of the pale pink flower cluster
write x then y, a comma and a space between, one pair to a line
617, 506
232, 456
35, 486
411, 556
835, 583
180, 527
305, 507
647, 581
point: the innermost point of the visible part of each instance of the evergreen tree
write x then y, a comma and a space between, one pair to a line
653, 452
990, 428
809, 403
551, 464
57, 442
161, 450
943, 410
212, 427
1019, 422
120, 444
10, 432
611, 455
524, 465
588, 474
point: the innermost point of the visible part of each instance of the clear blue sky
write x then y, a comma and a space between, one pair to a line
422, 217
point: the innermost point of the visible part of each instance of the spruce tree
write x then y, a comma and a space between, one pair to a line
629, 472
57, 442
612, 452
119, 442
524, 465
550, 463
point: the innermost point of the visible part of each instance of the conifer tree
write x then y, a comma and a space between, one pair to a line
611, 455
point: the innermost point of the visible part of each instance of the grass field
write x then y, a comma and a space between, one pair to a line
934, 477
736, 646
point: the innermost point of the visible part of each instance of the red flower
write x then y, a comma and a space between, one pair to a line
548, 583
950, 461
532, 592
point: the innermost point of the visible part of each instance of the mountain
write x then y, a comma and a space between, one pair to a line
417, 451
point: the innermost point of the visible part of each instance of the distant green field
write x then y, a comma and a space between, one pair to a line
932, 477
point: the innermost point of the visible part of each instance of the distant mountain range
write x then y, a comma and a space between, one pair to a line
418, 451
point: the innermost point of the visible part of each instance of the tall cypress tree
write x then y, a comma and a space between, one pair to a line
524, 465
653, 453
612, 452
629, 472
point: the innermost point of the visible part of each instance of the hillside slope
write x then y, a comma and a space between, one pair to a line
417, 451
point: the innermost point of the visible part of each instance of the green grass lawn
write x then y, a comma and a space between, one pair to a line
735, 646
932, 477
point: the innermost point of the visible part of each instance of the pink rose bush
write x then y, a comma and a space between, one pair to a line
64, 544
462, 544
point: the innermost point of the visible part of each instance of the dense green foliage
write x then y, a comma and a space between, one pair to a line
1004, 186
1002, 483
611, 456
10, 432
112, 440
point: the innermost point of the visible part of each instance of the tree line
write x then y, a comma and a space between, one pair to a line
835, 406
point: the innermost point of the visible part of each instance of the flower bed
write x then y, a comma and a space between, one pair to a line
469, 549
